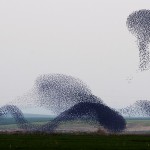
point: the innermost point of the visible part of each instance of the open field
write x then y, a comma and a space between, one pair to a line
138, 126
134, 125
74, 142
73, 139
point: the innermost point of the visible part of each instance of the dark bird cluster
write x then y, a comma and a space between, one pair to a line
140, 108
138, 24
72, 100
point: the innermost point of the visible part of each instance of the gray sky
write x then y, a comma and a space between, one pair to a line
87, 39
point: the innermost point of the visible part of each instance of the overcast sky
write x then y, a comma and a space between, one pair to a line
87, 39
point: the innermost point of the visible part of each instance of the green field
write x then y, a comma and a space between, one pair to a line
10, 123
74, 142
77, 141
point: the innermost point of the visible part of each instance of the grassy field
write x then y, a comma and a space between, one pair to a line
10, 123
78, 140
144, 121
74, 142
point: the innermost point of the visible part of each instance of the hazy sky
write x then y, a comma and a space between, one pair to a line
87, 39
